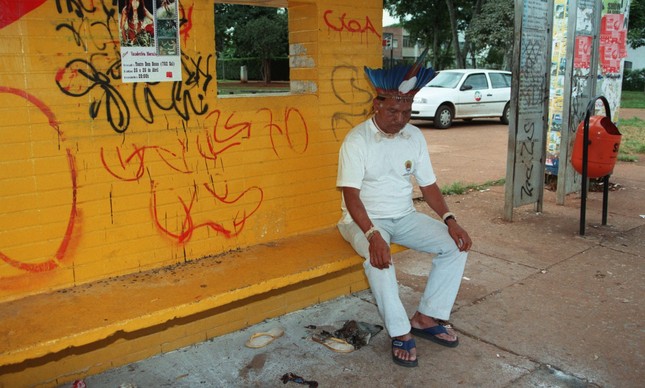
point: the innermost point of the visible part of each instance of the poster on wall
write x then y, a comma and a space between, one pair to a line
149, 36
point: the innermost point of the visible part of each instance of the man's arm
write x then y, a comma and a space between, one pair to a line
433, 197
379, 249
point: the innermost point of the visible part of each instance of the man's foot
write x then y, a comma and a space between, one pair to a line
429, 328
404, 351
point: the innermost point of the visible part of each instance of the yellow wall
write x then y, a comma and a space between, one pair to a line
99, 180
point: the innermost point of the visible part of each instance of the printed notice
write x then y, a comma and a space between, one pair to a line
149, 36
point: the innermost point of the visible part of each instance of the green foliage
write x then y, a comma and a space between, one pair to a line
632, 144
266, 36
636, 24
634, 80
494, 28
429, 21
632, 99
250, 31
462, 188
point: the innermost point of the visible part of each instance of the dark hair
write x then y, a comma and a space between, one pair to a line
141, 12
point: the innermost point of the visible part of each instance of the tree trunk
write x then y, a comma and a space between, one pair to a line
266, 70
460, 61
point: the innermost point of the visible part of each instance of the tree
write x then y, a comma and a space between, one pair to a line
493, 30
439, 24
636, 24
250, 31
266, 37
430, 25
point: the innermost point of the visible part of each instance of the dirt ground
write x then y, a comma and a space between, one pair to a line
628, 113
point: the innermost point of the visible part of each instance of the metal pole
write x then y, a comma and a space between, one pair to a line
605, 199
585, 157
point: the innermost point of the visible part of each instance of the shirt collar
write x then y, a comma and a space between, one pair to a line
379, 134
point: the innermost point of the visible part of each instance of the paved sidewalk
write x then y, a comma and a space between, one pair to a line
539, 306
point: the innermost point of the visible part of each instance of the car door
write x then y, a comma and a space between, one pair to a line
472, 95
499, 93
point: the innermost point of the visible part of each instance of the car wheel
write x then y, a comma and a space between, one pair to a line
505, 116
443, 117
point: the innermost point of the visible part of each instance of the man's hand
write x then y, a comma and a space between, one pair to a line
459, 235
380, 256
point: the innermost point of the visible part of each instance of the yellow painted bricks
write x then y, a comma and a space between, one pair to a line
106, 180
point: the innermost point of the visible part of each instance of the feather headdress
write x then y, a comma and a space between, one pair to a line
401, 82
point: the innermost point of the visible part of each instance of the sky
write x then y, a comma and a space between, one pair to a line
387, 19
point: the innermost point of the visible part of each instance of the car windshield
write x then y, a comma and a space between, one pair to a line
446, 79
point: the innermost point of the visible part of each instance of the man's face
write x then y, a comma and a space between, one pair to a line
391, 114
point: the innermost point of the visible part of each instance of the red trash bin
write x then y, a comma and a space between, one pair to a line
604, 142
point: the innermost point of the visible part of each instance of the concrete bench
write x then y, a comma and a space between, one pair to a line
57, 337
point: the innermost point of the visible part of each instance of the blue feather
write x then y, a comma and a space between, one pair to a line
391, 79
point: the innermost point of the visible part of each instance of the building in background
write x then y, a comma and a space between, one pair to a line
398, 47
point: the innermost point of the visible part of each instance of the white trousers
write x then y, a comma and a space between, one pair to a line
422, 233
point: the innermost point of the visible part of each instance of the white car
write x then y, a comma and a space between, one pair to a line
464, 94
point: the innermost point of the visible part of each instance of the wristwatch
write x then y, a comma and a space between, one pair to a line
447, 216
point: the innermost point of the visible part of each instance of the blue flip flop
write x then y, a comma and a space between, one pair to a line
407, 346
430, 333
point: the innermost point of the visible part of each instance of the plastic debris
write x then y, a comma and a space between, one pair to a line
297, 379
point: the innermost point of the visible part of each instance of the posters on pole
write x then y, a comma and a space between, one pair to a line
612, 51
149, 36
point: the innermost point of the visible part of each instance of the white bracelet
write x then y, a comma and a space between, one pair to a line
370, 232
448, 215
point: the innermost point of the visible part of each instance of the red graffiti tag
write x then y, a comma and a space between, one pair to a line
223, 131
133, 166
293, 127
350, 25
189, 225
288, 132
14, 10
67, 236
186, 22
232, 130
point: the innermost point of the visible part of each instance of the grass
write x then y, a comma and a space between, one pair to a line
462, 188
633, 130
631, 99
633, 141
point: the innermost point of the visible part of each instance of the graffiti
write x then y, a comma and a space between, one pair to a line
293, 124
133, 166
189, 225
223, 131
527, 150
342, 23
339, 76
78, 7
286, 131
533, 82
58, 257
13, 11
235, 128
185, 22
80, 76
96, 28
181, 98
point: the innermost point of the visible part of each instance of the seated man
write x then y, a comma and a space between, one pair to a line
377, 159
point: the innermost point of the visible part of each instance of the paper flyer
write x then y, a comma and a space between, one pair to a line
149, 36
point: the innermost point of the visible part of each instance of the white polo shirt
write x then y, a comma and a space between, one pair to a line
381, 168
